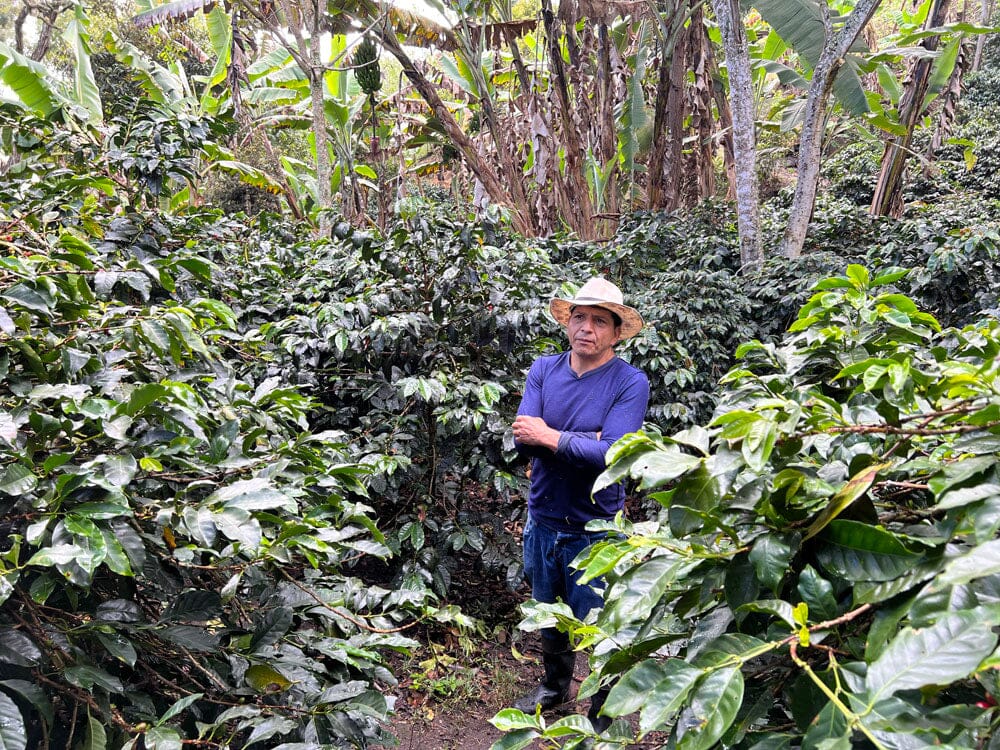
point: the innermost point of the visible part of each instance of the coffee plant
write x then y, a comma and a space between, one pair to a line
824, 570
178, 534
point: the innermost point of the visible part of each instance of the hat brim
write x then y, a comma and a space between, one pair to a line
632, 321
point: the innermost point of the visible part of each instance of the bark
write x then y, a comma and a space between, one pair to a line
986, 13
725, 115
580, 216
734, 41
657, 186
701, 167
673, 162
45, 14
888, 197
830, 61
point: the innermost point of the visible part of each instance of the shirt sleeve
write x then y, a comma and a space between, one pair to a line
531, 406
625, 415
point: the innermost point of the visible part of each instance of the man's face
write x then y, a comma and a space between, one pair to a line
592, 332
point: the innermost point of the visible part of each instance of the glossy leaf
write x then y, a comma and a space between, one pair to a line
860, 552
13, 735
712, 708
858, 485
949, 650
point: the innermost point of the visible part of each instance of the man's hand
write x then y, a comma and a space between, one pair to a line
534, 431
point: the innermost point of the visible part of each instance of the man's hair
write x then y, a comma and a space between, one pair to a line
615, 317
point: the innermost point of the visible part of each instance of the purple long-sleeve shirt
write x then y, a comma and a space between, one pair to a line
610, 400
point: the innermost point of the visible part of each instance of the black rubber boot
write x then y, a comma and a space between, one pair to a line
559, 661
600, 723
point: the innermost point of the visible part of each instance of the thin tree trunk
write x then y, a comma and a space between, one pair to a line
830, 61
324, 168
521, 215
673, 163
701, 172
580, 218
734, 42
656, 189
725, 115
888, 197
654, 186
986, 14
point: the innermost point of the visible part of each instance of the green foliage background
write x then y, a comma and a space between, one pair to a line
241, 468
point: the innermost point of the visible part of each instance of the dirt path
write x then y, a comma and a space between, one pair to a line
426, 719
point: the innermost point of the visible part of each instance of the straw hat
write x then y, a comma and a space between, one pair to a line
599, 292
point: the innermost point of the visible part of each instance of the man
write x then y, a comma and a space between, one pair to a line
575, 405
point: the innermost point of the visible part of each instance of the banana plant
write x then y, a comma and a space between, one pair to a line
40, 92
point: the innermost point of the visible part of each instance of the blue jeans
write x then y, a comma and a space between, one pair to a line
547, 558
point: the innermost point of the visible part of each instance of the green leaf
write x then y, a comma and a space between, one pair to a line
90, 677
949, 650
652, 468
96, 737
162, 738
698, 489
956, 498
85, 90
859, 552
856, 487
18, 649
13, 733
770, 557
658, 689
515, 740
120, 470
29, 81
800, 25
632, 597
17, 480
190, 637
238, 525
251, 494
266, 679
193, 606
979, 562
58, 555
817, 592
118, 646
713, 706
960, 471
178, 707
775, 607
510, 719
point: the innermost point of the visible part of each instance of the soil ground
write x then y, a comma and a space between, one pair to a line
450, 690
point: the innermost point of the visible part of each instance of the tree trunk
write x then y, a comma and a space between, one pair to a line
521, 215
657, 189
673, 162
701, 167
888, 197
830, 61
324, 169
725, 115
581, 216
734, 42
986, 13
